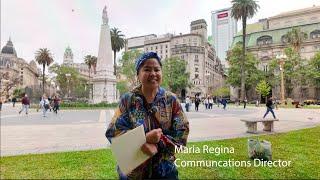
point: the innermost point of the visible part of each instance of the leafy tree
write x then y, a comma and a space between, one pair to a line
313, 72
296, 37
243, 9
7, 82
122, 86
18, 92
81, 90
175, 75
44, 57
127, 68
117, 43
263, 88
72, 83
222, 91
294, 72
253, 74
90, 61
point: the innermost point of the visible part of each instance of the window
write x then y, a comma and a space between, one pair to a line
264, 40
151, 48
196, 69
196, 76
315, 34
284, 39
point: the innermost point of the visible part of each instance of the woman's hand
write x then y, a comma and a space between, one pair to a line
149, 149
154, 136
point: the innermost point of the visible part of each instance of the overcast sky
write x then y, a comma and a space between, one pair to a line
56, 24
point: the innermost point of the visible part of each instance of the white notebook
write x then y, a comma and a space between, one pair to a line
126, 149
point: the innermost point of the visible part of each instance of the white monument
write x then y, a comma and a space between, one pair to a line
104, 81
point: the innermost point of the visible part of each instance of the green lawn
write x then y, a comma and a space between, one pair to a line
302, 147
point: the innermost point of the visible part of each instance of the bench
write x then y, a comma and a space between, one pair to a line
252, 124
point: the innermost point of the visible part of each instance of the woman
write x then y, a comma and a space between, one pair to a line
160, 112
44, 105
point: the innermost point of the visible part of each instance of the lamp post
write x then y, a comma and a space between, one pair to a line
281, 58
68, 76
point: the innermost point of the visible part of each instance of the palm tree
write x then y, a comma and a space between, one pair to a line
117, 43
44, 57
243, 9
88, 62
296, 37
94, 63
91, 61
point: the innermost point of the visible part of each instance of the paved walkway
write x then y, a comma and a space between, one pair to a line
72, 130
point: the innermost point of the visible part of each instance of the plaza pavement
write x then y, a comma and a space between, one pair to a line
72, 130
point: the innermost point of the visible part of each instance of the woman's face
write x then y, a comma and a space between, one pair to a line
150, 74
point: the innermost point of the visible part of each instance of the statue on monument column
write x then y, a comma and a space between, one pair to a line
105, 15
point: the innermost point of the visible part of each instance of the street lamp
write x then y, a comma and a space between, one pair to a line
68, 76
281, 58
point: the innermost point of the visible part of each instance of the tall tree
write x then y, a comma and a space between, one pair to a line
175, 75
243, 9
117, 43
296, 37
91, 62
43, 57
254, 75
313, 72
128, 67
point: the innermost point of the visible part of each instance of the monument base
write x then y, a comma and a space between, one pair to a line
104, 90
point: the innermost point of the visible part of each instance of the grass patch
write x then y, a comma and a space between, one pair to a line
301, 147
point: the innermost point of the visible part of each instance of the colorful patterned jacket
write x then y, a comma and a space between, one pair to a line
165, 113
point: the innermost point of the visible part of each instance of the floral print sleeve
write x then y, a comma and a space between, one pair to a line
120, 122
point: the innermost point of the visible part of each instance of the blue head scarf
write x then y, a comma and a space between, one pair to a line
146, 56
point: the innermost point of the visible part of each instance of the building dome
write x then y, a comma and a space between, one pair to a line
9, 49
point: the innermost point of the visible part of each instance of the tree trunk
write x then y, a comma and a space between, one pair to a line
43, 82
244, 24
114, 62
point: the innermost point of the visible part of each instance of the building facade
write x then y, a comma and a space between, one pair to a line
224, 28
15, 71
82, 68
266, 39
206, 72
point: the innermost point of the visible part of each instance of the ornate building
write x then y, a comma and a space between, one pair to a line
266, 39
16, 71
82, 68
204, 66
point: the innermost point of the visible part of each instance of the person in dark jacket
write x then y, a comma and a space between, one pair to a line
269, 105
14, 100
25, 104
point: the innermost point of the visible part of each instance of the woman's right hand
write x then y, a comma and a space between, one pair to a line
149, 149
154, 136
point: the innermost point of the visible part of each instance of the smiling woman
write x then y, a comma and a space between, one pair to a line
160, 112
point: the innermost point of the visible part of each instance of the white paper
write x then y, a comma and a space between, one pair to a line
126, 149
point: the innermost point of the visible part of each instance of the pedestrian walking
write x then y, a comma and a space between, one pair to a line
1, 103
197, 102
14, 100
245, 103
270, 107
44, 105
188, 102
56, 104
206, 102
210, 102
25, 104
224, 103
